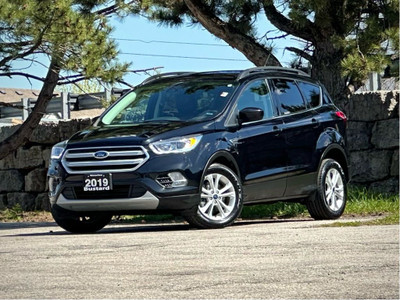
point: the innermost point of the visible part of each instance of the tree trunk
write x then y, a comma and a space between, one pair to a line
256, 53
326, 67
21, 136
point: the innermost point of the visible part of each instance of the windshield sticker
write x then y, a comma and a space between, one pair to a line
224, 94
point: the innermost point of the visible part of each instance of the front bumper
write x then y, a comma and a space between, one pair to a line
132, 192
146, 202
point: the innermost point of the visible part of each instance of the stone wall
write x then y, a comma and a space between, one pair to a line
23, 173
373, 142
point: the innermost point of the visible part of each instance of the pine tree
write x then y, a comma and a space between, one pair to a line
342, 40
73, 34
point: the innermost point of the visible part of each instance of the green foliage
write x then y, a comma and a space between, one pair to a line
238, 13
359, 31
346, 38
366, 202
392, 219
361, 202
366, 50
85, 86
69, 31
106, 103
12, 214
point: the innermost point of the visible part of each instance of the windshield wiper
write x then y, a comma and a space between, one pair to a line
163, 121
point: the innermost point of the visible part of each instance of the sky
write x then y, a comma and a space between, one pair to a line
146, 44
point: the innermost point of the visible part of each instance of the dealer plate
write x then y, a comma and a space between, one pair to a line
97, 182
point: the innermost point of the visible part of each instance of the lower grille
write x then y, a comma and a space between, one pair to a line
118, 192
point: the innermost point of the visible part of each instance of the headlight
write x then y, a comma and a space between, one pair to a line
57, 150
176, 145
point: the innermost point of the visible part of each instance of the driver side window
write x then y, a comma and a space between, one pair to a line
256, 94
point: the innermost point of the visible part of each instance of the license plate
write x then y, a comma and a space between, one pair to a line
97, 182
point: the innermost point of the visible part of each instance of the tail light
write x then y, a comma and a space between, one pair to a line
341, 115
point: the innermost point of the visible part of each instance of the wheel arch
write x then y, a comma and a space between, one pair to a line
225, 164
223, 158
337, 153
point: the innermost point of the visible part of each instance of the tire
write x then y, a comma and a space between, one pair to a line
221, 199
330, 198
77, 222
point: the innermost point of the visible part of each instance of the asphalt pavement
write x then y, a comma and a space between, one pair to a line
263, 259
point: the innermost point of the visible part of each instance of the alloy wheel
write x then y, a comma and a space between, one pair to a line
218, 197
334, 190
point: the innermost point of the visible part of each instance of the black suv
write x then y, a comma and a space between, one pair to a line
203, 145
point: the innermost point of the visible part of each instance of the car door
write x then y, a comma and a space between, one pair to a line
301, 131
262, 157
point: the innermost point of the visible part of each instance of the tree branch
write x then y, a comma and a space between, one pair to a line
17, 44
31, 50
254, 52
275, 37
145, 70
301, 53
10, 74
24, 132
306, 31
125, 83
68, 81
112, 9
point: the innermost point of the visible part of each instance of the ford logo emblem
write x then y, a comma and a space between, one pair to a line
101, 154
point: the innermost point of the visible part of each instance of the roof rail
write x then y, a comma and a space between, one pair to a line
162, 75
251, 71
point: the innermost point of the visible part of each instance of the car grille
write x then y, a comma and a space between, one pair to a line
109, 159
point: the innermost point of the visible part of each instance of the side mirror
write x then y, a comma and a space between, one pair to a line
250, 114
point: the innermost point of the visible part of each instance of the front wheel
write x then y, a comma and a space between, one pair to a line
79, 222
330, 199
221, 199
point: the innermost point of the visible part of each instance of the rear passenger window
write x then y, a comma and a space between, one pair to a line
287, 96
311, 93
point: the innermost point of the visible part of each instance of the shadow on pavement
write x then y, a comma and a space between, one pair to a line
270, 221
128, 228
19, 225
115, 228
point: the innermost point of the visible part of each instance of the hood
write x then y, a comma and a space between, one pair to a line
125, 135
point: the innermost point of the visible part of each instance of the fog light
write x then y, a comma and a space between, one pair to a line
177, 179
171, 180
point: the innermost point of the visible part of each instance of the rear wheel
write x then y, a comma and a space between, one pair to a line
330, 199
221, 199
77, 222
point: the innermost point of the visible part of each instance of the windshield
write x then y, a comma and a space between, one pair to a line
190, 100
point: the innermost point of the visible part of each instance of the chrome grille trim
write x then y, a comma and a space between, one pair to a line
121, 162
115, 153
124, 158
